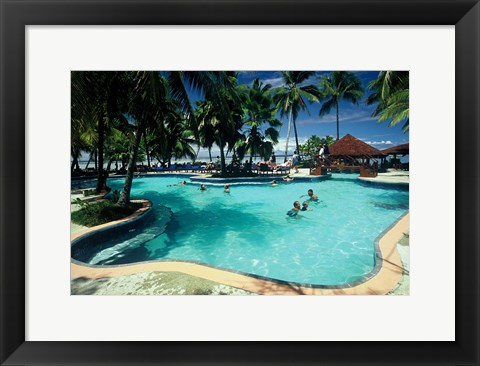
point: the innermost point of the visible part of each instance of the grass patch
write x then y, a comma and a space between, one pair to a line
97, 213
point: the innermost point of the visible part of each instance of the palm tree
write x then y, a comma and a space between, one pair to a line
391, 92
223, 125
339, 85
292, 97
149, 94
159, 132
96, 99
258, 110
176, 141
149, 89
79, 140
117, 145
204, 132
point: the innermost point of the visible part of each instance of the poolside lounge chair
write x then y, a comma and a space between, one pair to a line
265, 168
282, 169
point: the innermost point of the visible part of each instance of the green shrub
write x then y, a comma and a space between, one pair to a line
101, 212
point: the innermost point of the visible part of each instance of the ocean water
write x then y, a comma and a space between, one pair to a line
248, 229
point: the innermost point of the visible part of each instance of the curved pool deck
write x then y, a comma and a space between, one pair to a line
383, 278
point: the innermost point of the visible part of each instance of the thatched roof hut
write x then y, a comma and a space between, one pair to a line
397, 150
351, 146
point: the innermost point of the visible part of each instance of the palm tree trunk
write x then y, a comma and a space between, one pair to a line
222, 158
146, 149
338, 121
74, 163
100, 175
127, 187
296, 136
288, 135
88, 162
109, 166
196, 155
210, 153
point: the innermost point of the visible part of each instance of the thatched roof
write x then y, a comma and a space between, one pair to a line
397, 150
351, 146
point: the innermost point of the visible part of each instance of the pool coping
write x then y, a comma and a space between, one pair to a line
385, 275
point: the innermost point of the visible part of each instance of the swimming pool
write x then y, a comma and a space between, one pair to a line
247, 230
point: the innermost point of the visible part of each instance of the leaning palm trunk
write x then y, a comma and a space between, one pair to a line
288, 134
88, 162
127, 187
74, 164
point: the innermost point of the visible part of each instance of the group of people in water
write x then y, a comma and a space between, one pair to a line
293, 212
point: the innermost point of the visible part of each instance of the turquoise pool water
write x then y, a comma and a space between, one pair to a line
248, 230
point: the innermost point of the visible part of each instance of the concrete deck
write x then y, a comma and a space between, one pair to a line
392, 176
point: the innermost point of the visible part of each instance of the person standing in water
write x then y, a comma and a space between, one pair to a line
294, 211
313, 197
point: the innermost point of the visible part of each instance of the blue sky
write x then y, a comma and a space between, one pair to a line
354, 119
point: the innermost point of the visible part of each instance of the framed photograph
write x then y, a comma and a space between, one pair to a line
50, 49
215, 215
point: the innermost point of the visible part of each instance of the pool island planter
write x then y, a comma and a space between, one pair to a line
383, 278
137, 215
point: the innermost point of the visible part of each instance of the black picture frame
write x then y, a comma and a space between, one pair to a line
16, 14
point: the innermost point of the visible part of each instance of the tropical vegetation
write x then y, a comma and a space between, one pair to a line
312, 146
390, 91
337, 86
292, 97
123, 118
100, 212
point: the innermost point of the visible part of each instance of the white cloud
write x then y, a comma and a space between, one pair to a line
275, 82
353, 117
280, 147
373, 143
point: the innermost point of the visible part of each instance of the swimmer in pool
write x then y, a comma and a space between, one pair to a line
294, 211
288, 178
274, 183
203, 188
313, 197
182, 183
305, 206
226, 188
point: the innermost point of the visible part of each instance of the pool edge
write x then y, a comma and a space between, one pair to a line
383, 278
